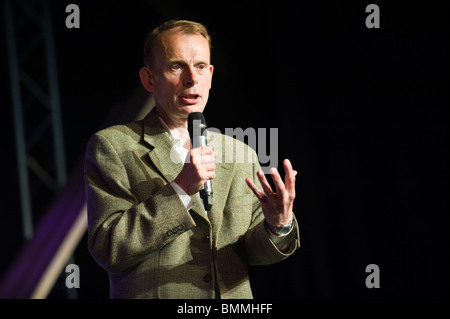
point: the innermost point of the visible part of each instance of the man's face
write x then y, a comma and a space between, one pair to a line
182, 74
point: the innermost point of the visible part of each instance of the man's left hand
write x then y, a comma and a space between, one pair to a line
276, 206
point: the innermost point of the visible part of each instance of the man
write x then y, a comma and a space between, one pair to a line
147, 224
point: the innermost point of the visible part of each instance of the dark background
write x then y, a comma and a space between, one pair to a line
361, 113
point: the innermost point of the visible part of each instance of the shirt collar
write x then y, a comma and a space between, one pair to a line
174, 135
171, 133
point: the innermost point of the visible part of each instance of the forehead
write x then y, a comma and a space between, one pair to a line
173, 44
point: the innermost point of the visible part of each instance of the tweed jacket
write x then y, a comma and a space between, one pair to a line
140, 232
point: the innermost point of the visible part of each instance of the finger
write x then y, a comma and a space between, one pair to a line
279, 185
210, 174
258, 193
201, 156
208, 171
289, 176
207, 159
206, 150
210, 166
264, 183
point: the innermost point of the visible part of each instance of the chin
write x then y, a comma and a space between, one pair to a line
192, 108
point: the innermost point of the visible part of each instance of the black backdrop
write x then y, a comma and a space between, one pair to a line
361, 113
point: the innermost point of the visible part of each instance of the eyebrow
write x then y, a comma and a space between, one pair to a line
182, 62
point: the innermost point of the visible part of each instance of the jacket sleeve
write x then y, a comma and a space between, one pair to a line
121, 230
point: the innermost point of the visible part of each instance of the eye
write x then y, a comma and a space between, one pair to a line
202, 66
175, 67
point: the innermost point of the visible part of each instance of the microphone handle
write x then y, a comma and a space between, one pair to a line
206, 193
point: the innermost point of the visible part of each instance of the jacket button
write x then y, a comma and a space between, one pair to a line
169, 233
206, 238
207, 278
180, 227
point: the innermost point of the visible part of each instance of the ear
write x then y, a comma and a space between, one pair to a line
146, 75
211, 70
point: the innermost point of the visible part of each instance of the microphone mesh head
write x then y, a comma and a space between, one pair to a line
199, 120
196, 116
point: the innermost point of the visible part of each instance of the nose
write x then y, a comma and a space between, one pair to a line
190, 77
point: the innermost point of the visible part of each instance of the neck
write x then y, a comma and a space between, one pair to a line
171, 122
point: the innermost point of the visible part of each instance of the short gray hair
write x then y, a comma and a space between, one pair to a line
185, 26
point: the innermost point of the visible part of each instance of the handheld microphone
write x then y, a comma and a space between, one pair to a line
196, 127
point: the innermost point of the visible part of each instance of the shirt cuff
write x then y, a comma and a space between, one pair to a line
185, 198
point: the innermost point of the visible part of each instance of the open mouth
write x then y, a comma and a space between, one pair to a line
190, 99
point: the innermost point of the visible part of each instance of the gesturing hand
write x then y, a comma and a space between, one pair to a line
277, 207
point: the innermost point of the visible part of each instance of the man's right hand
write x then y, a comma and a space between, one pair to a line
197, 170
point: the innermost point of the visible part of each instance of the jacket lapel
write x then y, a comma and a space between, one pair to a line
157, 137
220, 184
